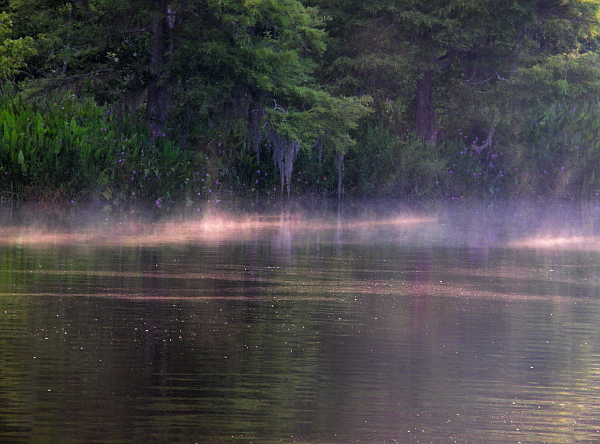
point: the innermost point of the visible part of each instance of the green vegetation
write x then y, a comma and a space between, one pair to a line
66, 150
158, 104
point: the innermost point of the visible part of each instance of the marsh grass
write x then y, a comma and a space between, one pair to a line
385, 164
558, 154
66, 151
70, 150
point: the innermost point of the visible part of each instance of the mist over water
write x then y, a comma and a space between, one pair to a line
470, 224
357, 323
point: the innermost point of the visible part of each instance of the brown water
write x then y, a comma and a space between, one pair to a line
407, 329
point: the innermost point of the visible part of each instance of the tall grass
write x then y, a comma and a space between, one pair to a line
72, 150
384, 164
558, 153
69, 150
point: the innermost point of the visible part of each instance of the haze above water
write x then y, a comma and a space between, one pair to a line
350, 324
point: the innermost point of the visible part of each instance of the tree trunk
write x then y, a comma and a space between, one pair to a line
254, 122
85, 7
339, 164
425, 116
156, 105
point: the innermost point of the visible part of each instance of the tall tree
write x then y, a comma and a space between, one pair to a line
433, 58
156, 102
246, 68
239, 72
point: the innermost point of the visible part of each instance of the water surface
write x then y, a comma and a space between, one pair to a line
453, 327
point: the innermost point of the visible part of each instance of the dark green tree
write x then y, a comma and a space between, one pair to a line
428, 62
248, 69
14, 53
218, 73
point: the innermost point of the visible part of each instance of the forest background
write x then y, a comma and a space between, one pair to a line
164, 104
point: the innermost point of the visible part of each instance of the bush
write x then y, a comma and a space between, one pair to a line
383, 164
558, 153
72, 150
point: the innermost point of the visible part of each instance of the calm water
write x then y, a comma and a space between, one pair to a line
454, 329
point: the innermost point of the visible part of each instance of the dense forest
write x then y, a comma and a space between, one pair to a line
177, 103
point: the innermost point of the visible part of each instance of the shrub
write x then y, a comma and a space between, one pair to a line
72, 150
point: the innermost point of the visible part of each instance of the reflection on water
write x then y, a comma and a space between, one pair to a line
414, 330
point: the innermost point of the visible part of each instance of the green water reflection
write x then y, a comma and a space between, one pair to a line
311, 339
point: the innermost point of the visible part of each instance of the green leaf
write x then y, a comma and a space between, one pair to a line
21, 160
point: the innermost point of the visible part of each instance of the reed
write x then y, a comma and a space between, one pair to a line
559, 153
71, 150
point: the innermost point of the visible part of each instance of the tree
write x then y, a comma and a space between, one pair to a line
14, 53
210, 72
432, 60
247, 69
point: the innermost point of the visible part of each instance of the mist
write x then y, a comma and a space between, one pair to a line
515, 224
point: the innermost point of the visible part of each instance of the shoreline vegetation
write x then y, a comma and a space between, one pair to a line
174, 108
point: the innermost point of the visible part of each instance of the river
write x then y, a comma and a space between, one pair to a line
456, 326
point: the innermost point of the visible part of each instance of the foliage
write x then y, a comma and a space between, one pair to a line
13, 52
384, 164
254, 64
72, 150
475, 168
400, 98
562, 153
434, 60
